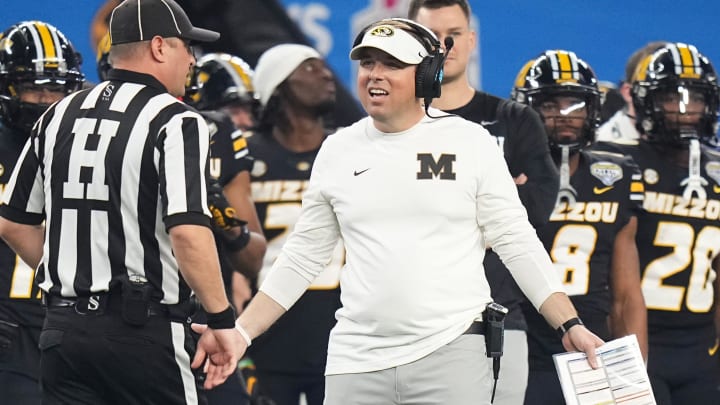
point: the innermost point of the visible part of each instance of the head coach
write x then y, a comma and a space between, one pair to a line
108, 202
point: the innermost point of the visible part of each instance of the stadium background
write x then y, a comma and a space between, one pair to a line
510, 31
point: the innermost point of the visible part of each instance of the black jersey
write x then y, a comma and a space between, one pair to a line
19, 294
580, 238
228, 156
521, 135
297, 343
677, 241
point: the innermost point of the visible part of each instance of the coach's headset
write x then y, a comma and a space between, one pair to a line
429, 73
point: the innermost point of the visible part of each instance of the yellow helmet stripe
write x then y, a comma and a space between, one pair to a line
566, 70
46, 38
522, 76
236, 71
244, 77
564, 65
103, 46
641, 69
687, 60
687, 63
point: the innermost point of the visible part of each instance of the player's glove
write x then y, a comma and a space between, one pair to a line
223, 214
224, 219
246, 367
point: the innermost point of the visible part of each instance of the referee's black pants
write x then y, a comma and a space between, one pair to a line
99, 359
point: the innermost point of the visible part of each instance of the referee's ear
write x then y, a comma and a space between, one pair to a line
159, 48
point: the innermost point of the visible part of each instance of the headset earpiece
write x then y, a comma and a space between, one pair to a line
428, 77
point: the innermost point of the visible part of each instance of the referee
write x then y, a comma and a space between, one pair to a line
108, 202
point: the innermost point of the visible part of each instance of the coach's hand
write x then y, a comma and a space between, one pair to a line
219, 350
579, 338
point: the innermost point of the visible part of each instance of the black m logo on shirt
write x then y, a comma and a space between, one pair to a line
430, 168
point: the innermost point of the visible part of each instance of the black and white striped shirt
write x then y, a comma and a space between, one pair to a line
110, 170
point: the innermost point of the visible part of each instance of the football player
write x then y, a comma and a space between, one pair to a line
296, 89
38, 66
621, 125
219, 80
675, 94
591, 233
224, 83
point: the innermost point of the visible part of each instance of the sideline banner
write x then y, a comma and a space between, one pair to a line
511, 32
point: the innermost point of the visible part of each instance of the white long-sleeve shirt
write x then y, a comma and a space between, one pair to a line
620, 127
413, 279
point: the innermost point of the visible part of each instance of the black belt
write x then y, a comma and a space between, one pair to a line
476, 328
98, 304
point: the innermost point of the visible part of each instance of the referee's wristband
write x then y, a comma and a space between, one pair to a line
562, 329
243, 333
224, 319
240, 242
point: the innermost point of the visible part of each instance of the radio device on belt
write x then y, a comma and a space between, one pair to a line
494, 320
136, 295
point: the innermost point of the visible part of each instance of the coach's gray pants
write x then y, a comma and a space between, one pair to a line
456, 374
513, 369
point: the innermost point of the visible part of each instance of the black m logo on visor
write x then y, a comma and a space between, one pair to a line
430, 168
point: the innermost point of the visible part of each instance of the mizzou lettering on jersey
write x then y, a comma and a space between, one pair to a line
278, 190
215, 167
594, 211
684, 277
431, 168
675, 205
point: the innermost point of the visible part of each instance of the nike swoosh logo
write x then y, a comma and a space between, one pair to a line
713, 350
357, 173
716, 189
485, 123
602, 190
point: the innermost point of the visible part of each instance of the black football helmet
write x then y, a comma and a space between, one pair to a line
218, 80
102, 58
678, 70
34, 53
560, 73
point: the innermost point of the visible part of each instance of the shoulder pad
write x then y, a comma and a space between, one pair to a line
624, 142
602, 153
712, 152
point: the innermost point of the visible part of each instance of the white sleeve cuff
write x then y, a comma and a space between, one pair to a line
285, 286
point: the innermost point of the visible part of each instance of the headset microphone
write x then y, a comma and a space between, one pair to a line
449, 43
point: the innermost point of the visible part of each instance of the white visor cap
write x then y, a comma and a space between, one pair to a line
394, 41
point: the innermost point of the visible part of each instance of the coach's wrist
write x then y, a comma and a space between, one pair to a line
565, 327
243, 332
